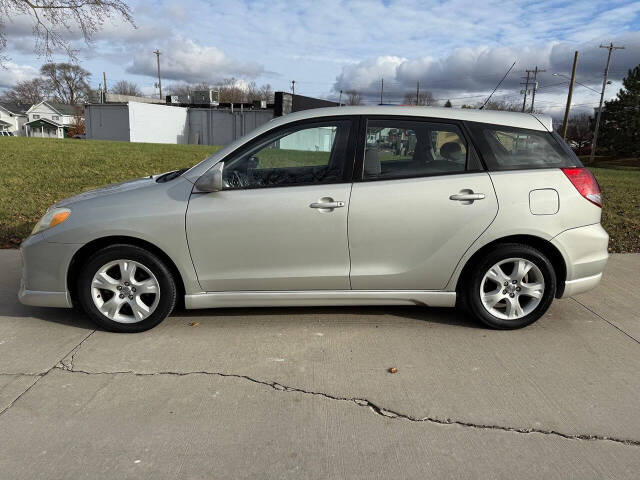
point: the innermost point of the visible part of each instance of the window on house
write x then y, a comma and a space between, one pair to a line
36, 117
55, 117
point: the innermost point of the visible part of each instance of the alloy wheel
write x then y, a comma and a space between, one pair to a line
512, 288
125, 291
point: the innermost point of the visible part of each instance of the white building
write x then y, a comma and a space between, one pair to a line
12, 118
50, 119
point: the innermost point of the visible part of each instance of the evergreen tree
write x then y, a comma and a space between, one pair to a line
448, 104
620, 123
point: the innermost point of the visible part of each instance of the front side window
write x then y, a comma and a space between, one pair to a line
309, 154
403, 148
508, 148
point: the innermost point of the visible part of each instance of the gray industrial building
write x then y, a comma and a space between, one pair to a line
134, 121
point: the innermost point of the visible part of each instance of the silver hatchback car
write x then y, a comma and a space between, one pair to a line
490, 211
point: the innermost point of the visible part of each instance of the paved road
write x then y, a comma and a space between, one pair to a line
305, 393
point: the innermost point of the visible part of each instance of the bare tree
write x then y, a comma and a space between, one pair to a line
231, 91
425, 98
579, 130
53, 20
27, 92
353, 97
123, 87
501, 105
68, 83
184, 89
266, 93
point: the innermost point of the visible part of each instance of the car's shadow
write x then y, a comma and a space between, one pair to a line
444, 316
10, 307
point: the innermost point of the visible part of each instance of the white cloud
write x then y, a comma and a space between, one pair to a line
479, 69
185, 60
11, 73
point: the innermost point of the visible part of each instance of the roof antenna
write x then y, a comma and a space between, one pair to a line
499, 83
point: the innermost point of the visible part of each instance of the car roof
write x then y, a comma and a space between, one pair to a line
511, 119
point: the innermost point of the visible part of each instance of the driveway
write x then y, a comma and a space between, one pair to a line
305, 392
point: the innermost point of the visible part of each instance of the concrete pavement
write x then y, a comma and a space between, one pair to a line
305, 393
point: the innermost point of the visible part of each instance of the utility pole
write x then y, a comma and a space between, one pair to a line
381, 89
157, 52
293, 87
566, 111
535, 85
526, 89
611, 48
417, 91
340, 101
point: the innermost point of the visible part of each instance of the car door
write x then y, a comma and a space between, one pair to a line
421, 198
280, 223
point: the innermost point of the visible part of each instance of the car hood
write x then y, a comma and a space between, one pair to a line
114, 188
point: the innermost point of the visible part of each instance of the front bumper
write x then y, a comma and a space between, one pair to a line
44, 272
585, 251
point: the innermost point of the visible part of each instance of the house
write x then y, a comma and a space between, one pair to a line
50, 119
13, 118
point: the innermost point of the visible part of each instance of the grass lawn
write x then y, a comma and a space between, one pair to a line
34, 173
621, 213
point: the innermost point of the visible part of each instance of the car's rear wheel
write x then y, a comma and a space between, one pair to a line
510, 287
125, 288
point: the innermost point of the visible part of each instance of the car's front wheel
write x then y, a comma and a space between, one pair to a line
511, 287
125, 288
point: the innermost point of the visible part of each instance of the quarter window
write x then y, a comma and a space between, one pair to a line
399, 148
309, 154
508, 148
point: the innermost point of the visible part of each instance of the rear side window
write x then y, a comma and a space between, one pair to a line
508, 148
398, 148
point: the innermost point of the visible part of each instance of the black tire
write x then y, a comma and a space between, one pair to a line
168, 291
472, 301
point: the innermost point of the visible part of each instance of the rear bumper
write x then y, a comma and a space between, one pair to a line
585, 253
581, 285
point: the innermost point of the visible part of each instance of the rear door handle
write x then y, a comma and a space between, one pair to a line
461, 197
466, 196
326, 204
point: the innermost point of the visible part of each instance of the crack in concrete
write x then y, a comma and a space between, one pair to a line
605, 320
376, 409
40, 376
69, 366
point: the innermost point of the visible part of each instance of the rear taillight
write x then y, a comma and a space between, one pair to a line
585, 183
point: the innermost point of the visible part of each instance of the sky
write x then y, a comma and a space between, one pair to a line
457, 49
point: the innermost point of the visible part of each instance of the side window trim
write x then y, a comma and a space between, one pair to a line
361, 147
301, 125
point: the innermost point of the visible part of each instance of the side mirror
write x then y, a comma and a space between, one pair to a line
211, 181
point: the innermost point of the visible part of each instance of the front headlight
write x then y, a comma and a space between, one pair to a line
53, 217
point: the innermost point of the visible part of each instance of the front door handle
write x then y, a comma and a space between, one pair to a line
467, 196
326, 204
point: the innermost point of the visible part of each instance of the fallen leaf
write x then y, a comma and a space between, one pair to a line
393, 370
194, 324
